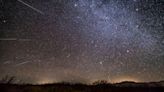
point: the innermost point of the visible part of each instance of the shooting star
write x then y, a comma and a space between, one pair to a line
22, 63
35, 9
13, 39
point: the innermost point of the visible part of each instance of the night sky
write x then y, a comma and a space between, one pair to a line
45, 41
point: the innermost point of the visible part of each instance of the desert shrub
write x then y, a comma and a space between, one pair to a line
100, 82
8, 79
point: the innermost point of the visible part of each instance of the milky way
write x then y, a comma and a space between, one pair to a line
82, 40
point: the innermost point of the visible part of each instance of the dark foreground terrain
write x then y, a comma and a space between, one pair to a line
63, 87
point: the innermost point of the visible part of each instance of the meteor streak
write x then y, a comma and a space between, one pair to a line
13, 39
35, 9
22, 63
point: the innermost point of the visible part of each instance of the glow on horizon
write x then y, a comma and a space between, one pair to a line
122, 79
46, 81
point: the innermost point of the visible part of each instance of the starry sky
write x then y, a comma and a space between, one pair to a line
45, 41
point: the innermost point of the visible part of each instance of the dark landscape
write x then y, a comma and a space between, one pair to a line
101, 87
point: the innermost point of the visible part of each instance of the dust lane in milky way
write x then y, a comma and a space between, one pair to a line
82, 40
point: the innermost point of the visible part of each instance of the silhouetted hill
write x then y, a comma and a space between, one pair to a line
134, 84
66, 87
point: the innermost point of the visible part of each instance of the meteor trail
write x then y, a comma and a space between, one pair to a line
13, 39
35, 9
22, 63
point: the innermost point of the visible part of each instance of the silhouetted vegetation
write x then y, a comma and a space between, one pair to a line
100, 82
98, 86
8, 79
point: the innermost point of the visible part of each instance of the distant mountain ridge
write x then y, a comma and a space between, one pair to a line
139, 84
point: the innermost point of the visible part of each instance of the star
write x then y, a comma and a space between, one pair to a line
82, 40
137, 9
127, 51
101, 62
4, 21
